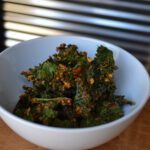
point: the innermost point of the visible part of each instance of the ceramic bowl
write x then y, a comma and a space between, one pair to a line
131, 79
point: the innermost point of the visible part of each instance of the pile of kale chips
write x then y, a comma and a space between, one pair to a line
71, 90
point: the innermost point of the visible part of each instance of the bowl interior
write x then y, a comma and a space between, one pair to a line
131, 78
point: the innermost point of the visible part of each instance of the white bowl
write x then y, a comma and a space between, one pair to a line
131, 78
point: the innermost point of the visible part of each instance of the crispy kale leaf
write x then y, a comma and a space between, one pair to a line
71, 90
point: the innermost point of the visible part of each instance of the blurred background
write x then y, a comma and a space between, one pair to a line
125, 23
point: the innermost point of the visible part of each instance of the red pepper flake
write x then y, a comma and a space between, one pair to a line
113, 106
62, 67
76, 72
78, 110
107, 104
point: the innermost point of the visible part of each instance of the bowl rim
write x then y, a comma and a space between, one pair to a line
75, 130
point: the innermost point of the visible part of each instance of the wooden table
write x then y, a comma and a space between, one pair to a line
135, 137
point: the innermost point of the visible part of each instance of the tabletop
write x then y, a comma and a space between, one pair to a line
135, 137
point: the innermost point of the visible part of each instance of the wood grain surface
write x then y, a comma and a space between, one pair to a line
135, 137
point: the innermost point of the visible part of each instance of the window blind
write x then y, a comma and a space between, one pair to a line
125, 23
